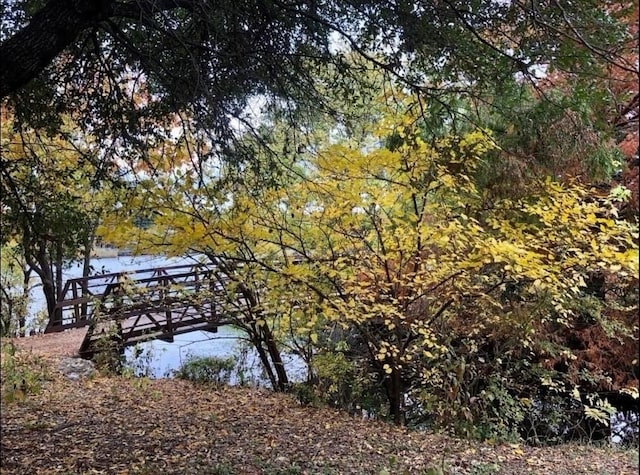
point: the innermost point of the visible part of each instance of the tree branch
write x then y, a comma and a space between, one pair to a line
51, 30
57, 25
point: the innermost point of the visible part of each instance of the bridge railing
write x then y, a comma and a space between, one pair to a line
82, 297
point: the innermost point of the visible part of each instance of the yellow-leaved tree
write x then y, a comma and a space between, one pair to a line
55, 188
406, 288
429, 279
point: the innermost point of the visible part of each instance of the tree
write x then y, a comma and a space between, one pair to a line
184, 198
385, 253
209, 60
14, 286
429, 275
53, 195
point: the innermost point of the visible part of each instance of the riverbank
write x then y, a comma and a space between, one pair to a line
142, 426
101, 252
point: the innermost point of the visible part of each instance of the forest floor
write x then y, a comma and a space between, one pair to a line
121, 425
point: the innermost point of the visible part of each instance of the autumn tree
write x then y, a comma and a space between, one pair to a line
381, 257
568, 129
427, 276
123, 69
195, 207
53, 193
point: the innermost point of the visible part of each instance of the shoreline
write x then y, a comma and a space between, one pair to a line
104, 252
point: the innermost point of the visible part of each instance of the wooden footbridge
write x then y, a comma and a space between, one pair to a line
129, 307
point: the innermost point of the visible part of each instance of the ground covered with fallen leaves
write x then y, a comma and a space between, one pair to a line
139, 426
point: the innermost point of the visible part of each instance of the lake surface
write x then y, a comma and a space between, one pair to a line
159, 359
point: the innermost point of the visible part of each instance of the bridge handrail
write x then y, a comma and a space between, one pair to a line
114, 275
208, 266
107, 283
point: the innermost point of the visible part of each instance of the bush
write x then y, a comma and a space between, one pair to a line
342, 383
206, 369
22, 374
109, 354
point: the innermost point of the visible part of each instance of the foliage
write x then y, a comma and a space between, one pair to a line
337, 381
22, 374
422, 251
241, 430
444, 254
132, 70
560, 137
386, 262
54, 192
46, 181
141, 362
15, 293
108, 350
206, 369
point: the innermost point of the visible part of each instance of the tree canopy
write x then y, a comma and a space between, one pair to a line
125, 66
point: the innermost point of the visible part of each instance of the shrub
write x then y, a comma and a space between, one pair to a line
206, 369
22, 374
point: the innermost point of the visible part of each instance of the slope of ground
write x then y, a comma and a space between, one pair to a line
64, 343
140, 426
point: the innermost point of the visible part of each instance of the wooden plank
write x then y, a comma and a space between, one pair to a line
150, 331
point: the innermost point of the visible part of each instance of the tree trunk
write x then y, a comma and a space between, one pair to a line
57, 25
59, 262
6, 318
264, 359
276, 358
394, 395
260, 336
49, 290
86, 260
263, 335
86, 269
24, 307
43, 268
49, 32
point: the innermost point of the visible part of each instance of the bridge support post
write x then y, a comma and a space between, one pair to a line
167, 307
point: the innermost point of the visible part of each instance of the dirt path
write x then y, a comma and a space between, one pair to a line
65, 343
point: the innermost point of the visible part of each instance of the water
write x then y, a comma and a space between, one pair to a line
158, 358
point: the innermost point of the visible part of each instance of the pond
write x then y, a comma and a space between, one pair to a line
158, 359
